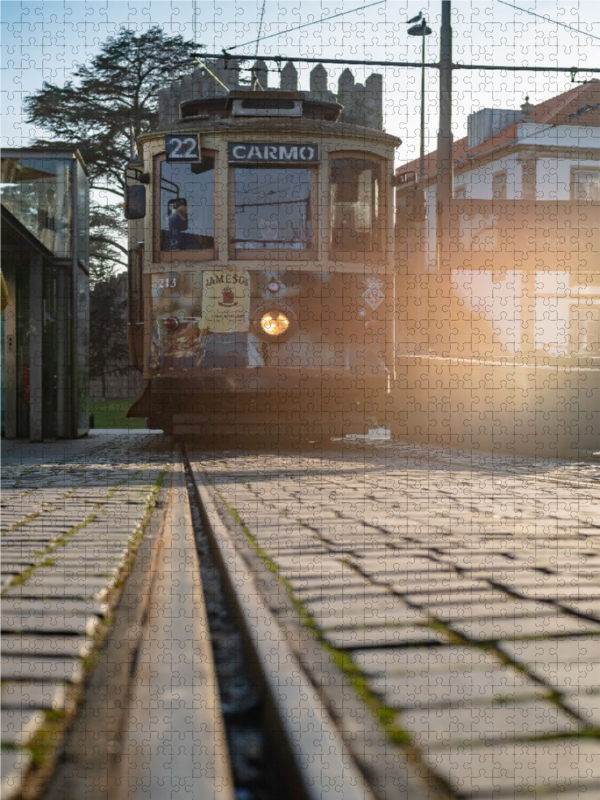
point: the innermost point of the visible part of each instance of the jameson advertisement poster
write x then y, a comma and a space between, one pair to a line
187, 307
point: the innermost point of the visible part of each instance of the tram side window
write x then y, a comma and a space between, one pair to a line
187, 206
272, 210
357, 208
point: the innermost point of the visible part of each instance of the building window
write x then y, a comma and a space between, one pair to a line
187, 209
39, 193
460, 193
357, 208
499, 181
586, 184
271, 211
584, 330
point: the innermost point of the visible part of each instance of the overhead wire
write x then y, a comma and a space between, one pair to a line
255, 81
260, 25
306, 24
548, 19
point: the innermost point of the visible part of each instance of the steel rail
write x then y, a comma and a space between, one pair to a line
323, 765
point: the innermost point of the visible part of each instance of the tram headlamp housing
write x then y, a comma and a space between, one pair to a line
275, 323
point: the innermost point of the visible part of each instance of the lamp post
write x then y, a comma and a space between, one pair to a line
421, 29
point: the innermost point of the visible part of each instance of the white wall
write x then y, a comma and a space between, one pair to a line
500, 301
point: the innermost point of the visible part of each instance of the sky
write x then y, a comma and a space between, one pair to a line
46, 40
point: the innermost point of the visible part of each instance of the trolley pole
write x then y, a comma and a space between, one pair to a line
422, 151
444, 144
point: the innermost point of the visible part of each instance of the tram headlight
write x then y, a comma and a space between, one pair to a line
274, 323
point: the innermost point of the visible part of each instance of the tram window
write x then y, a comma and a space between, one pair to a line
357, 208
272, 210
187, 206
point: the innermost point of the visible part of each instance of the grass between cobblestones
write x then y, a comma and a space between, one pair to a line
43, 746
384, 714
388, 716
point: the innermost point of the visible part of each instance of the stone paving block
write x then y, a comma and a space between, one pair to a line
72, 563
54, 588
415, 584
335, 583
19, 725
24, 645
498, 605
20, 694
69, 624
448, 727
477, 560
348, 638
13, 766
386, 608
459, 595
514, 767
313, 567
42, 669
576, 593
422, 688
589, 607
390, 561
585, 705
53, 607
351, 591
542, 624
395, 661
569, 664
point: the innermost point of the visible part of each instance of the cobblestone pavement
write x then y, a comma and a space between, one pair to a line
465, 591
72, 515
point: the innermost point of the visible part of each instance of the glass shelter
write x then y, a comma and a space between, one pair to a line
45, 327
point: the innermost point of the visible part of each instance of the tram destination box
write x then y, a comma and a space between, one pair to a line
269, 153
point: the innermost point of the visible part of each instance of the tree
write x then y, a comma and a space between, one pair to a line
101, 110
111, 101
108, 324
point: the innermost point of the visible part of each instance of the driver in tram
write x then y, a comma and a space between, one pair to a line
178, 223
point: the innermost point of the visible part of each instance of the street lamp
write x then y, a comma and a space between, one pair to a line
423, 30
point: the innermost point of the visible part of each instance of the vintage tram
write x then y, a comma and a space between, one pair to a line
261, 285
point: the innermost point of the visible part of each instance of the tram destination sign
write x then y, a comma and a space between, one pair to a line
269, 153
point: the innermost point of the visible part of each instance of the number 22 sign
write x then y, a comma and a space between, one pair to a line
184, 147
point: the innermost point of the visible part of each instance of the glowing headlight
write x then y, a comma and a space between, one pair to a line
275, 323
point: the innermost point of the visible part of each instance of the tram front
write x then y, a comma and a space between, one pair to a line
261, 288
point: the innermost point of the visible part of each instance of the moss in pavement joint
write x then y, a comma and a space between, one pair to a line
386, 716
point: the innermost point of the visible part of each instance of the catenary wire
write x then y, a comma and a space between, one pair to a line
306, 24
548, 19
260, 25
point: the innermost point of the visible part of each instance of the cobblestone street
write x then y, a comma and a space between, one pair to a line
460, 595
446, 607
72, 517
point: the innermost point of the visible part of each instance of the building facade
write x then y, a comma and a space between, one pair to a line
45, 243
498, 308
535, 169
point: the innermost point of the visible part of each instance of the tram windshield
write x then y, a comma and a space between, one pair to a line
272, 208
187, 205
356, 207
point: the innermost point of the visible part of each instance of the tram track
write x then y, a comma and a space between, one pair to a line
282, 740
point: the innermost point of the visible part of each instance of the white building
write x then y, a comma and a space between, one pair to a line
543, 153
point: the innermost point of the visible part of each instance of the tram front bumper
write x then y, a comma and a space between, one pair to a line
271, 402
271, 379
